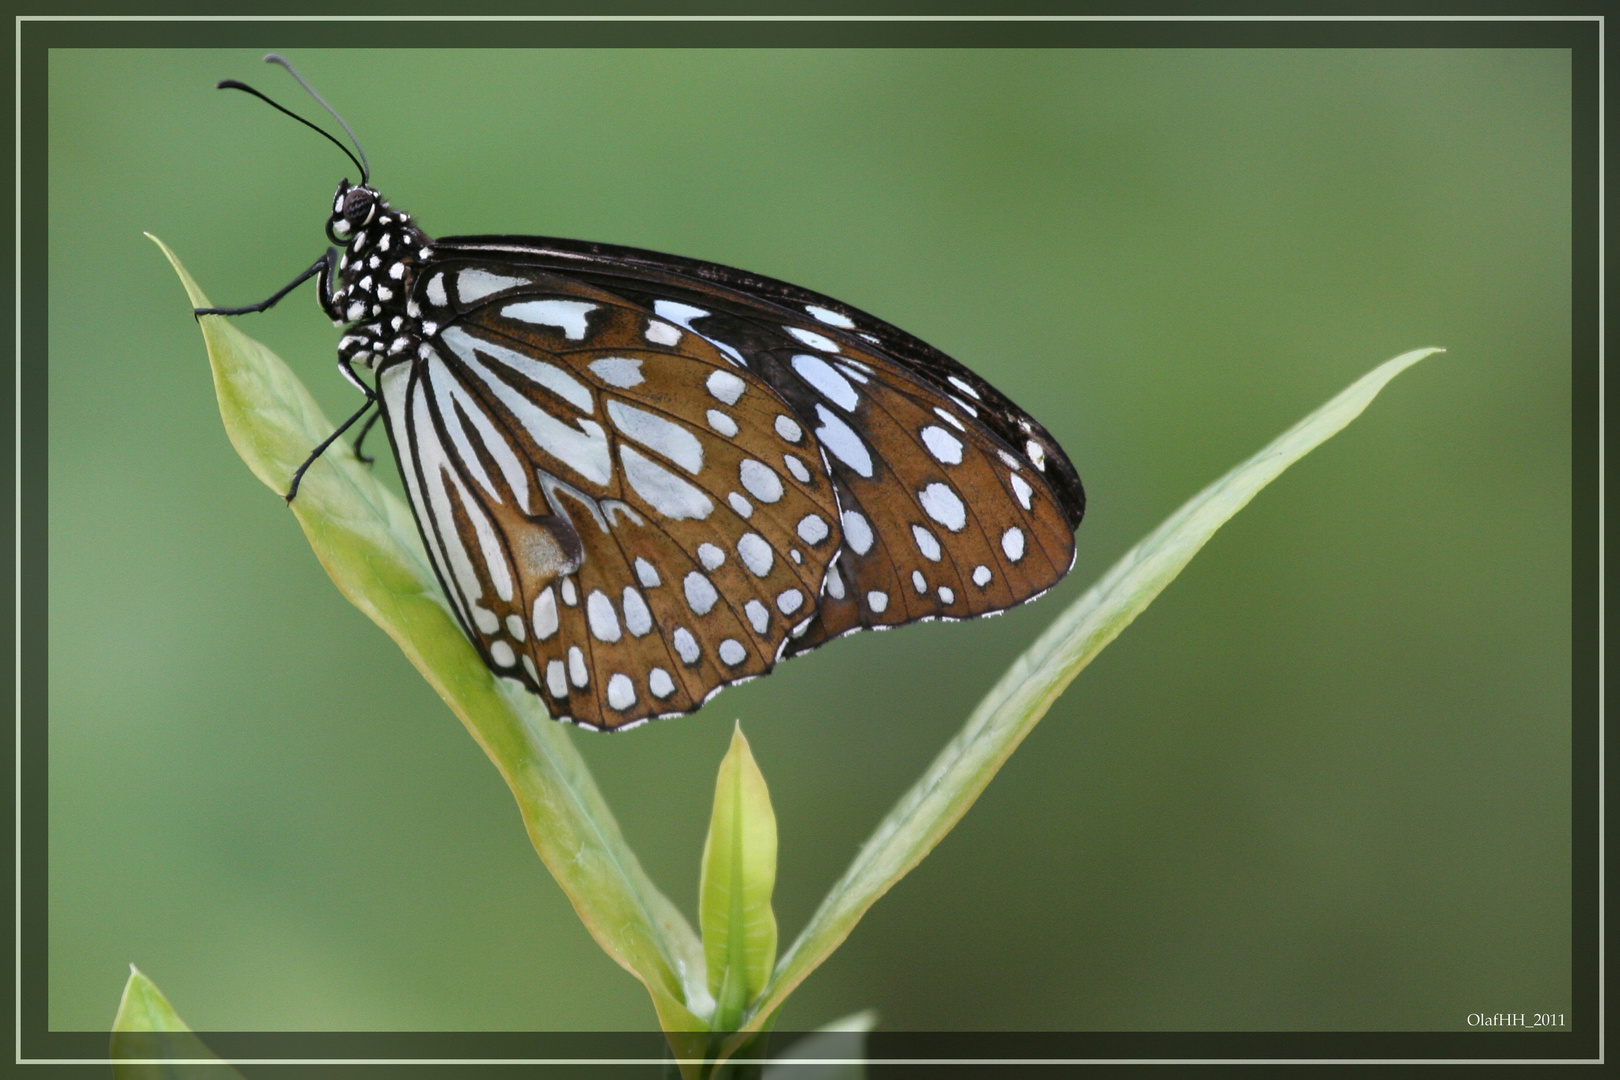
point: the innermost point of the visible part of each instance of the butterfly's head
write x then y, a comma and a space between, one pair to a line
353, 208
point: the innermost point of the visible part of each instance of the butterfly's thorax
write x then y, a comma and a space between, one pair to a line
383, 252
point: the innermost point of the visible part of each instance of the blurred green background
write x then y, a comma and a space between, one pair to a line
1322, 784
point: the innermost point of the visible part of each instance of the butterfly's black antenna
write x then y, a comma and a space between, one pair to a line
365, 168
359, 163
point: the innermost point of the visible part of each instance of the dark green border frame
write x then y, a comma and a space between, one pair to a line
35, 1042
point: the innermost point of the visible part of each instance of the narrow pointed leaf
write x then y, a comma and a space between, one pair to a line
739, 873
151, 1042
366, 539
1017, 702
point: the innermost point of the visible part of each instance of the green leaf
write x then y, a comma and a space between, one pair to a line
366, 539
734, 895
835, 1051
151, 1042
939, 799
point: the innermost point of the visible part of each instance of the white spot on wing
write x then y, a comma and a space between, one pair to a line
919, 582
789, 428
857, 532
964, 387
726, 387
556, 679
722, 423
515, 627
567, 315
1021, 488
700, 594
665, 492
760, 480
828, 382
790, 601
756, 554
796, 467
831, 318
435, 291
742, 506
637, 619
661, 333
946, 448
647, 574
927, 543
946, 595
943, 505
686, 646
877, 601
473, 285
502, 654
812, 529
619, 371
1037, 454
710, 556
845, 445
662, 436
981, 576
576, 666
659, 682
732, 652
835, 582
604, 621
621, 692
758, 615
1012, 542
812, 339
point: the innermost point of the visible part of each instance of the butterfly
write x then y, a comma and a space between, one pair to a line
641, 478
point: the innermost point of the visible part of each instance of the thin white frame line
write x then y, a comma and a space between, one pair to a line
1602, 326
818, 1061
773, 20
811, 18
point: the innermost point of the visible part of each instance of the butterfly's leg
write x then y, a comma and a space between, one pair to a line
323, 266
298, 476
365, 430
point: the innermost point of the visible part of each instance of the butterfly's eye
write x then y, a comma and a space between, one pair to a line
357, 205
